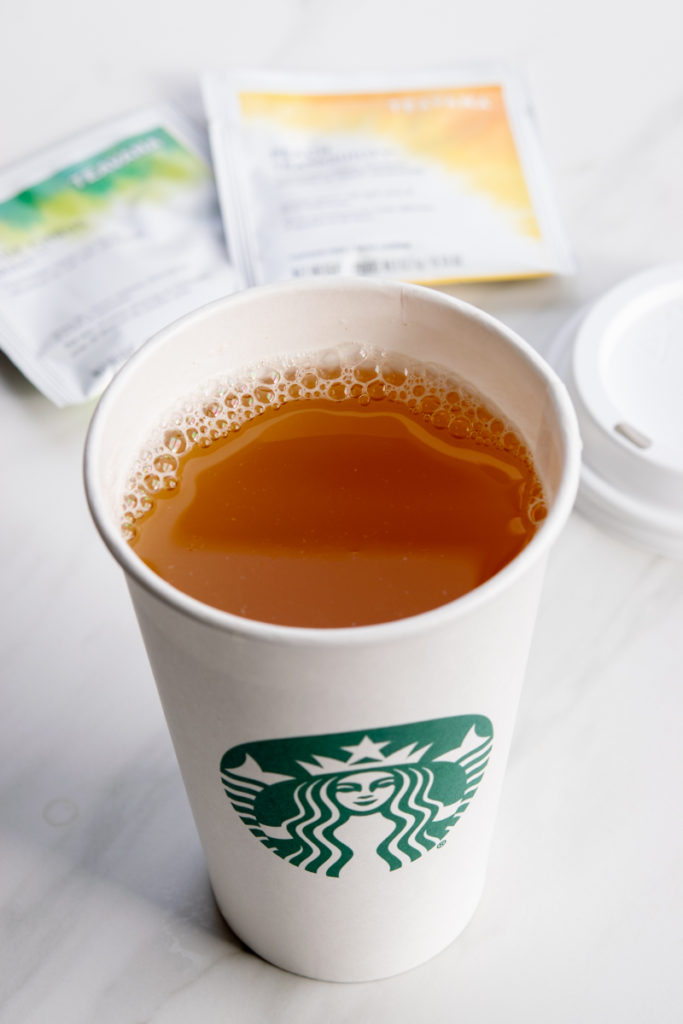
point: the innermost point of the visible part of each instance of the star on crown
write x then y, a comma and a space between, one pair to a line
366, 754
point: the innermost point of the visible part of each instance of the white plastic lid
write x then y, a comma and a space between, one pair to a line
622, 361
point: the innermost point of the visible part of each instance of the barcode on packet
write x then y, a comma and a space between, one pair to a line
378, 266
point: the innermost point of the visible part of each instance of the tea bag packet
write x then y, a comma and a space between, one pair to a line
431, 178
104, 239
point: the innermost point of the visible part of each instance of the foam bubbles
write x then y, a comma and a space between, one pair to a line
430, 393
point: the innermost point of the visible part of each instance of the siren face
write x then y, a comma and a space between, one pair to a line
365, 792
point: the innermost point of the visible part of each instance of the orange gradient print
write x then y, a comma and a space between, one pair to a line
464, 130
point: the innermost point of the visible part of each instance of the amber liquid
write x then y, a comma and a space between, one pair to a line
330, 514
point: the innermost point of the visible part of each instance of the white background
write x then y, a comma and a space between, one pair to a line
107, 916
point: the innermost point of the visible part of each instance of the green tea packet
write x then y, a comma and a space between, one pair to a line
431, 178
104, 239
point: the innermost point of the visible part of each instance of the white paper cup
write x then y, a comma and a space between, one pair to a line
344, 782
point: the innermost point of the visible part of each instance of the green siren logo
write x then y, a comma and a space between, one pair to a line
312, 799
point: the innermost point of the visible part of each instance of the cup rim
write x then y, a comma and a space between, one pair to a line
228, 622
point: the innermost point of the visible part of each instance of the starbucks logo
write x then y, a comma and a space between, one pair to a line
312, 799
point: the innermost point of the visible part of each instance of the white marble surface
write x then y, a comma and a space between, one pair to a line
107, 916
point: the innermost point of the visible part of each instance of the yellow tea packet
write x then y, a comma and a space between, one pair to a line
430, 178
